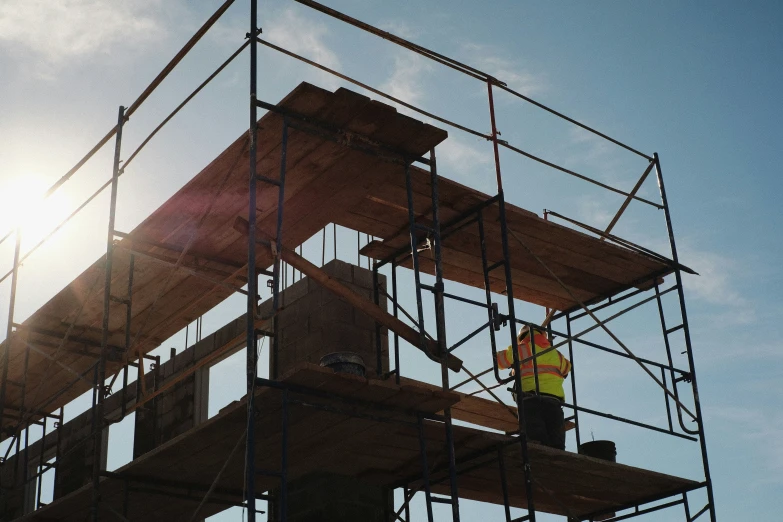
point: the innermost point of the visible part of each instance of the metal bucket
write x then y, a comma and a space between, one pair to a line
599, 449
344, 362
604, 450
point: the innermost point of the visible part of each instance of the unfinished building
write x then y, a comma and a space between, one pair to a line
314, 443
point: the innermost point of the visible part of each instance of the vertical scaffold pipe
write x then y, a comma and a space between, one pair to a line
415, 257
573, 380
22, 411
440, 324
425, 469
396, 310
377, 300
511, 315
667, 346
128, 317
10, 326
252, 282
100, 369
504, 482
687, 336
278, 248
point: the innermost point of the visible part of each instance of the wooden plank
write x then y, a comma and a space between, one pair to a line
583, 268
458, 273
461, 198
456, 198
571, 247
375, 451
354, 299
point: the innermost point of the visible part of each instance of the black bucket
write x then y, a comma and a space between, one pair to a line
344, 362
604, 450
599, 449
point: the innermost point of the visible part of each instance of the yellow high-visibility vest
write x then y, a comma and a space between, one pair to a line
552, 366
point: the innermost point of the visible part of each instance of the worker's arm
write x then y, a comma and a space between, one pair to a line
505, 358
565, 365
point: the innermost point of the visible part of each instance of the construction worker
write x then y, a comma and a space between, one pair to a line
544, 420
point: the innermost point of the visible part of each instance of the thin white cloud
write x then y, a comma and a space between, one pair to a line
465, 162
491, 61
717, 272
759, 428
594, 212
303, 36
406, 80
58, 32
399, 28
756, 350
593, 156
717, 288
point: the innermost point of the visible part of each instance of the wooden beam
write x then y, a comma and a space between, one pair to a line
356, 300
628, 199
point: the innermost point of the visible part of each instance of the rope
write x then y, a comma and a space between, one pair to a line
511, 410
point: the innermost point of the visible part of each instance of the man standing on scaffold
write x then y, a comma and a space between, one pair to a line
544, 419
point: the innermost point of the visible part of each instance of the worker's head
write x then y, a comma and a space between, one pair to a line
525, 331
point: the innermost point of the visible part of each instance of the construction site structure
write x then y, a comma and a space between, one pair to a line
314, 443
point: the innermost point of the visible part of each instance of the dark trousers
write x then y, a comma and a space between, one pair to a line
544, 421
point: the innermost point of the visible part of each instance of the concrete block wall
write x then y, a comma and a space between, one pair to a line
165, 417
178, 409
12, 495
315, 322
76, 449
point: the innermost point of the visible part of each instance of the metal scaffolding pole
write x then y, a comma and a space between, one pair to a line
687, 335
100, 369
252, 282
440, 322
10, 326
511, 313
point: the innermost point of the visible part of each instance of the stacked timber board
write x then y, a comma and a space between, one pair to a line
365, 429
590, 268
194, 229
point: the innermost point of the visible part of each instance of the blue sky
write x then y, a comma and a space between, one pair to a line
697, 82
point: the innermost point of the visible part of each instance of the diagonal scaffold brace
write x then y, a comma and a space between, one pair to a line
602, 325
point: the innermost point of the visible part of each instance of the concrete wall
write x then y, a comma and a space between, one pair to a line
76, 449
12, 497
315, 322
177, 410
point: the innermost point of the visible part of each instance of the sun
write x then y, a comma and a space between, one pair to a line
22, 205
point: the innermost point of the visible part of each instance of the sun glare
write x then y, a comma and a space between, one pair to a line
22, 204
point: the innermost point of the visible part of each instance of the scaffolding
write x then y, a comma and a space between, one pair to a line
425, 229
